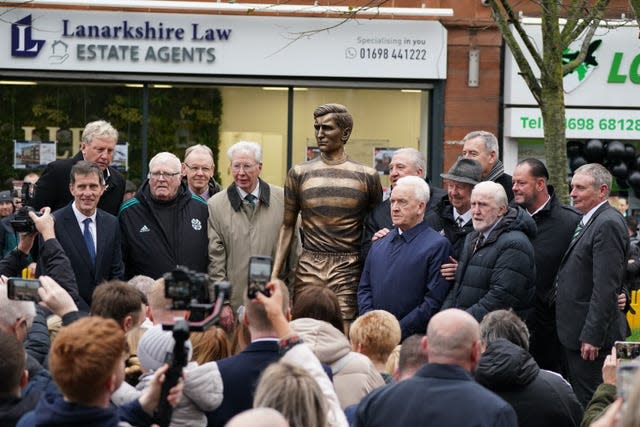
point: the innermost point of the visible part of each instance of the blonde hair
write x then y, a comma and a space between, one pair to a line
378, 332
290, 390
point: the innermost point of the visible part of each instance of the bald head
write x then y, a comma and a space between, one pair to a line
258, 417
453, 337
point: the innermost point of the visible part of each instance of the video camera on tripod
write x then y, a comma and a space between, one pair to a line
188, 290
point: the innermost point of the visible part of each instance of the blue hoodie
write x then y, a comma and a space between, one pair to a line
53, 410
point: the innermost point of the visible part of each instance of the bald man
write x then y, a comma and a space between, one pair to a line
442, 391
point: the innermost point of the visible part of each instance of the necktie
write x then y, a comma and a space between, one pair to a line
479, 242
460, 222
576, 233
88, 240
251, 200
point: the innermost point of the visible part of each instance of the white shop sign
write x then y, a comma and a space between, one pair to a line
71, 40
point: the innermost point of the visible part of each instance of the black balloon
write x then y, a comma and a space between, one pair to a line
594, 151
629, 152
634, 181
615, 151
574, 148
622, 183
576, 162
620, 170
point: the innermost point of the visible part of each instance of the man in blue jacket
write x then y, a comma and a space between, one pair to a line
402, 272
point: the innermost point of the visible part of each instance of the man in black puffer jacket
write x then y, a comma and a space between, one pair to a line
539, 397
497, 268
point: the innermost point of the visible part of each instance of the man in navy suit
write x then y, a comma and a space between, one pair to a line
98, 145
589, 280
240, 373
442, 392
89, 236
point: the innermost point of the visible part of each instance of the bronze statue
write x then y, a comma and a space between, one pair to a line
333, 194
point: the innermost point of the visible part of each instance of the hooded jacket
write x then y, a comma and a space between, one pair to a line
354, 375
13, 408
152, 247
501, 273
539, 397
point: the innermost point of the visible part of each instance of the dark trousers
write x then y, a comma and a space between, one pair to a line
584, 375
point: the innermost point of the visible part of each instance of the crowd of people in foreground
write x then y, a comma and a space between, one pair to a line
464, 306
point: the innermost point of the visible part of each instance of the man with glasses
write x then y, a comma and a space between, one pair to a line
244, 220
164, 225
198, 169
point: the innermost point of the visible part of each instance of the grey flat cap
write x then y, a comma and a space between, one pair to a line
464, 170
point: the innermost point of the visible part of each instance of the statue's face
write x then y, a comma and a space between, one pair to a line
329, 136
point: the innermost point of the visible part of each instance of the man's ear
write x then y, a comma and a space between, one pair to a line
111, 383
127, 323
24, 379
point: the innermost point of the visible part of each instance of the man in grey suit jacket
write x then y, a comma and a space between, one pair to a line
589, 281
89, 236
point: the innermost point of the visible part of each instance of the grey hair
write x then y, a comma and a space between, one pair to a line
246, 147
165, 157
504, 324
490, 141
418, 185
199, 147
12, 310
417, 158
495, 190
600, 175
99, 129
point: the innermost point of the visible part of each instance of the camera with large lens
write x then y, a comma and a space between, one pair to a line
21, 222
186, 287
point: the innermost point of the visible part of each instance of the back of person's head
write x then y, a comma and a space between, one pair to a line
13, 363
375, 334
392, 361
133, 368
118, 301
84, 357
453, 337
16, 317
154, 346
290, 390
256, 316
504, 324
142, 283
318, 302
258, 417
209, 345
158, 303
411, 357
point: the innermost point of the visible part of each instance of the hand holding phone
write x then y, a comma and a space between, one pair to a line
259, 275
23, 289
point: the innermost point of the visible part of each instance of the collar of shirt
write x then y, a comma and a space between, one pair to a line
80, 217
487, 232
586, 217
255, 192
466, 217
204, 195
541, 207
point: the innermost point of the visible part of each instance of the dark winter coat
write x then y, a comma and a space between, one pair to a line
501, 273
151, 247
540, 398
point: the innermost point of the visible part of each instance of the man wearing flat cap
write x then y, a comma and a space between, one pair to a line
402, 272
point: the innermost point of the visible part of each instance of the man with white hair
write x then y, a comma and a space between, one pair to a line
164, 225
497, 268
244, 220
98, 145
402, 272
483, 146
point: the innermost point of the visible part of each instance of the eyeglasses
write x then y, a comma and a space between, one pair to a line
165, 175
203, 169
240, 166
